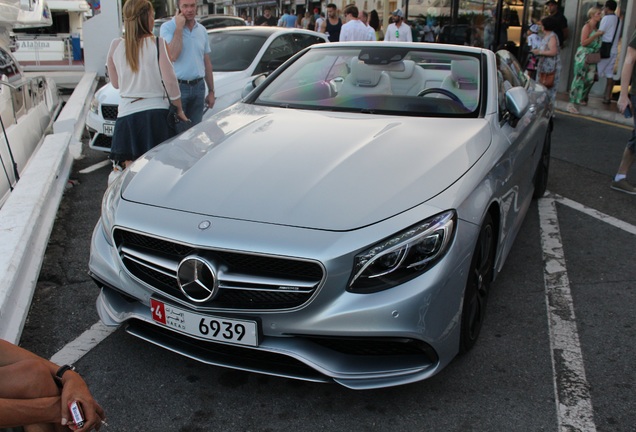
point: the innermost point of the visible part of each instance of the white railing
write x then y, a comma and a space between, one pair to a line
26, 219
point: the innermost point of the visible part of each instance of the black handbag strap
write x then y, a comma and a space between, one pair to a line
618, 22
159, 65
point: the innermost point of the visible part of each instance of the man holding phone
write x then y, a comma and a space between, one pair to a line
189, 47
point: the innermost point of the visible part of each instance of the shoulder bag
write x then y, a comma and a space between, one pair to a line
593, 58
547, 79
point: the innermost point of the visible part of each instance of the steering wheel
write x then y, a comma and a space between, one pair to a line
445, 92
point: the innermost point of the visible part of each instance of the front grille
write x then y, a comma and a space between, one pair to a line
109, 112
103, 141
246, 281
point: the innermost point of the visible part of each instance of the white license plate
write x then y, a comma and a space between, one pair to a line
109, 128
220, 329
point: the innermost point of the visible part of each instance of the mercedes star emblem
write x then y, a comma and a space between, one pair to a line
197, 279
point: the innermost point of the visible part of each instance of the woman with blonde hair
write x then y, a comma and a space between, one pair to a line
137, 65
584, 71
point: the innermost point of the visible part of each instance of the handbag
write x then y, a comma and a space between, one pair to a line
547, 78
606, 49
593, 58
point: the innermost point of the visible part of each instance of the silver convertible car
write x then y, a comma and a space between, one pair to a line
342, 223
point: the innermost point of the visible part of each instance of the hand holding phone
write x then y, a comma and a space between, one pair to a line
76, 414
628, 112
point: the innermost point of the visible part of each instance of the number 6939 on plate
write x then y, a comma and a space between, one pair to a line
213, 328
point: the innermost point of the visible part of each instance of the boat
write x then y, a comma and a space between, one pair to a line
28, 104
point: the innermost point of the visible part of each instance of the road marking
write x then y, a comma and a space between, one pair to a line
76, 349
610, 220
95, 167
597, 120
571, 389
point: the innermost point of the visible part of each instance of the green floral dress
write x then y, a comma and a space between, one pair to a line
583, 73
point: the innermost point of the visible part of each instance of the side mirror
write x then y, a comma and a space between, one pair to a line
251, 85
517, 101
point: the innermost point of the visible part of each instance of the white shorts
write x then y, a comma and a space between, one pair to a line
605, 67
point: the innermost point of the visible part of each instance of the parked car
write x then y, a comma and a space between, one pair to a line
238, 54
341, 223
212, 22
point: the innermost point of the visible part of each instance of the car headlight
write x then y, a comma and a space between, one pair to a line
111, 200
403, 256
94, 107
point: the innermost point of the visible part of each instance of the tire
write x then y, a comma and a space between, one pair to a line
478, 286
543, 168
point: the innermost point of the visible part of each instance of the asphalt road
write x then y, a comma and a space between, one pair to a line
506, 383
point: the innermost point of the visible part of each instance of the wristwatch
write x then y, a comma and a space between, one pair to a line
60, 373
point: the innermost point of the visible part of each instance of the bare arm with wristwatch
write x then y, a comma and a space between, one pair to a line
39, 395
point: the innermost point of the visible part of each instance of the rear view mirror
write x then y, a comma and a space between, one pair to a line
251, 85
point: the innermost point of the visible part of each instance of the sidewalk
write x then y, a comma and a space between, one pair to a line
595, 108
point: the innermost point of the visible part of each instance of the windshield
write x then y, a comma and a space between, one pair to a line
233, 52
383, 80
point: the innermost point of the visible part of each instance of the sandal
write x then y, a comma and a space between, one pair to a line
572, 109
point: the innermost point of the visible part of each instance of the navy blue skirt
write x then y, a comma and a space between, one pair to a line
137, 133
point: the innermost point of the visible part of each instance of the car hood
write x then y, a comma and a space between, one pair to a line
309, 169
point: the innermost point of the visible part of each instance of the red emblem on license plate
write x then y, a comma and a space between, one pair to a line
158, 311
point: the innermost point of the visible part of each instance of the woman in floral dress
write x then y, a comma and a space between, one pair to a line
584, 72
549, 54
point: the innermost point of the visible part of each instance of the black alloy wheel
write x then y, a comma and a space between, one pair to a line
477, 286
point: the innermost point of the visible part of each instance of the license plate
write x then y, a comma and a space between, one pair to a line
220, 329
109, 128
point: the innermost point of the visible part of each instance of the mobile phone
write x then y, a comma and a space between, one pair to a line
628, 112
76, 413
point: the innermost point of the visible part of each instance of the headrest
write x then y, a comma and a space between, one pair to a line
409, 67
363, 75
465, 73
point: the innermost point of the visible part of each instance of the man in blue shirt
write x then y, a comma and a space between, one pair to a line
288, 19
189, 47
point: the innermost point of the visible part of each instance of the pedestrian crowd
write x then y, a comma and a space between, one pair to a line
595, 59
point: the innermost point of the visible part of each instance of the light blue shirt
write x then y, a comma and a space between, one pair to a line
196, 44
289, 20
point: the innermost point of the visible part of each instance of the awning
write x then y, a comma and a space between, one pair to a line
68, 5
